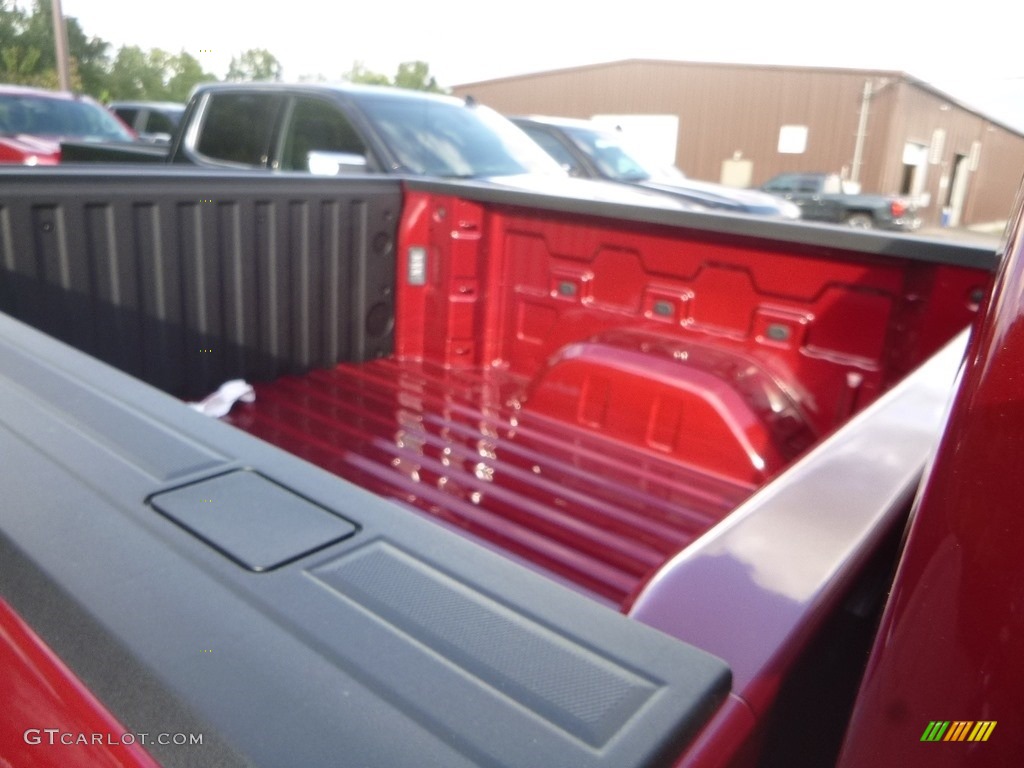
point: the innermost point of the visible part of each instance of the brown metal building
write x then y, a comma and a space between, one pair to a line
745, 123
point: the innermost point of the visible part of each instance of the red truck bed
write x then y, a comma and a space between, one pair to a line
448, 443
589, 398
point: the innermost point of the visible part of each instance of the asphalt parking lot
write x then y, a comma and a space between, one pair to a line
988, 236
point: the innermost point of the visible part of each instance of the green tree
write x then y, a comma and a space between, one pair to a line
185, 74
88, 55
12, 21
153, 75
360, 74
27, 57
19, 66
19, 59
137, 74
416, 76
254, 64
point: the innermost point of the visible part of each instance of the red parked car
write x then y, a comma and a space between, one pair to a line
33, 122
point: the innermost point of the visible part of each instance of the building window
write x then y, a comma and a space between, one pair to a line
792, 139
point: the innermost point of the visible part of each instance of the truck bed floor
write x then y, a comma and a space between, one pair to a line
456, 445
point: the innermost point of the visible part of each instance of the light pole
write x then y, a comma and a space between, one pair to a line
60, 42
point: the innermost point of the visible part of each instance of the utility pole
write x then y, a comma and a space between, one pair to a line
60, 43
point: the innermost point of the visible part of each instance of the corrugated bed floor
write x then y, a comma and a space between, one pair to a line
457, 446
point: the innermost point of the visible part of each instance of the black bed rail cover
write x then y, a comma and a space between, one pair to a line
366, 637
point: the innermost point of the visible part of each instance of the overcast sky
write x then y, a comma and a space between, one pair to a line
970, 49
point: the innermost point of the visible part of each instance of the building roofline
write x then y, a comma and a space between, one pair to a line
684, 63
889, 73
960, 104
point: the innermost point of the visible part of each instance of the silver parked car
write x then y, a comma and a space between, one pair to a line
588, 151
153, 121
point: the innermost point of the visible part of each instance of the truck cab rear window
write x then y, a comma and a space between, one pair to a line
237, 128
317, 126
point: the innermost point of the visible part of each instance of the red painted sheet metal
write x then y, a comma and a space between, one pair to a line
949, 646
731, 739
50, 719
825, 321
514, 286
455, 444
711, 409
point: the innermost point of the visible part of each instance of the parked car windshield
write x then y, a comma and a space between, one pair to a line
451, 139
606, 151
41, 116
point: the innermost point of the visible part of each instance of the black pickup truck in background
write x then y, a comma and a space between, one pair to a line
326, 129
826, 197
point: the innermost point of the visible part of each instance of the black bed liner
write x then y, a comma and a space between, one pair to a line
373, 638
187, 279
